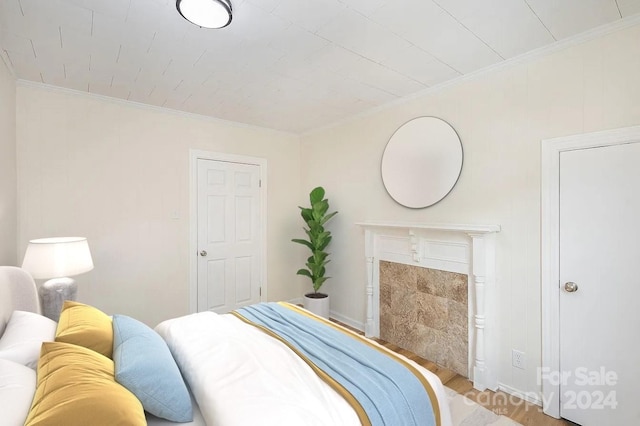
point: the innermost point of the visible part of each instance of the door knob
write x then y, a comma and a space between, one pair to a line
570, 287
203, 253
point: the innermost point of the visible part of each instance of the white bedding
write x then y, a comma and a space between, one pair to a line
241, 376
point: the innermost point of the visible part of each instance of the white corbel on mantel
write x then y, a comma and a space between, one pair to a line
466, 249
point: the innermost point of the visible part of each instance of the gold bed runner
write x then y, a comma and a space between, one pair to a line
364, 419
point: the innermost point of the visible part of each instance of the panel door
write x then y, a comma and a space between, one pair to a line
599, 285
228, 235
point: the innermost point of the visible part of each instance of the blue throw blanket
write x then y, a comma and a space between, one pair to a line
388, 391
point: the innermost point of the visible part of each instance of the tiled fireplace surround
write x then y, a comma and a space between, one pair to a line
426, 311
430, 289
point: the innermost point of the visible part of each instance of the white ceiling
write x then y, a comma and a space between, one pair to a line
292, 65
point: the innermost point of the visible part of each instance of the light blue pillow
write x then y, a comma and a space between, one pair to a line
144, 365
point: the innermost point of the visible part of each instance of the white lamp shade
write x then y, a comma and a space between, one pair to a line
57, 257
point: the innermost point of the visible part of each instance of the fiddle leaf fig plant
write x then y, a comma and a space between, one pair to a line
315, 218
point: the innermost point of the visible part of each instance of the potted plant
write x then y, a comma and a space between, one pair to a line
315, 218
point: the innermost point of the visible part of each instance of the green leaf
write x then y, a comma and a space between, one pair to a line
303, 242
316, 194
306, 214
315, 226
323, 207
304, 272
316, 270
318, 283
319, 240
309, 234
324, 244
319, 256
327, 217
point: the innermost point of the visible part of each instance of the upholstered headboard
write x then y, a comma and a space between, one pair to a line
17, 292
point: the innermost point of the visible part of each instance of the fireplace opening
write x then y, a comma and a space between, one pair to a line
425, 310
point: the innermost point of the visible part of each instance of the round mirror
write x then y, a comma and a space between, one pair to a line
422, 162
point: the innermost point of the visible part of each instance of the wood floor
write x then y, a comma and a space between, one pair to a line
521, 411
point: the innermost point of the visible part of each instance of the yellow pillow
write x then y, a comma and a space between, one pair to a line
86, 326
76, 386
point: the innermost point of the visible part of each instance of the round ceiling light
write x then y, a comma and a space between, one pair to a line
206, 13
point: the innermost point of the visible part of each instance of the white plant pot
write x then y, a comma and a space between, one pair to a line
319, 306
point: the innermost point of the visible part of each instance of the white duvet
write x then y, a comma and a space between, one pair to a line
241, 376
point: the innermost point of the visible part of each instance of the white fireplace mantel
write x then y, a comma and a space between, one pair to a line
451, 227
466, 249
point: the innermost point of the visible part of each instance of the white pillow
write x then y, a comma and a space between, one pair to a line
23, 337
17, 387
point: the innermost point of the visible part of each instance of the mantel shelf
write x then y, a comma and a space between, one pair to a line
454, 227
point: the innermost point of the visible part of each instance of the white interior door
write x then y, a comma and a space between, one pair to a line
599, 250
229, 264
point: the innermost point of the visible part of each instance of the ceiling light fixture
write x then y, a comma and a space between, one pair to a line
206, 13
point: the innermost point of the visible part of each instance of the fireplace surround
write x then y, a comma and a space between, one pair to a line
455, 248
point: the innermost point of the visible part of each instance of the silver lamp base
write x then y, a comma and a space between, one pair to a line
54, 292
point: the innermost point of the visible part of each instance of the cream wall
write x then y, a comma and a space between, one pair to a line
8, 214
117, 173
501, 118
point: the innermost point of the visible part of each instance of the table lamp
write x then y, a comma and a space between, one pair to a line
57, 259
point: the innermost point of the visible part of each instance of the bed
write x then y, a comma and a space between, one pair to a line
267, 364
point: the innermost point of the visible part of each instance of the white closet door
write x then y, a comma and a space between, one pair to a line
599, 314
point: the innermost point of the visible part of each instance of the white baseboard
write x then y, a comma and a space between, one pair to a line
296, 301
531, 397
333, 314
346, 320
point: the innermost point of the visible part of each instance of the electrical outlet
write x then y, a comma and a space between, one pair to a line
517, 359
